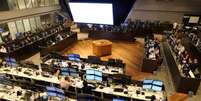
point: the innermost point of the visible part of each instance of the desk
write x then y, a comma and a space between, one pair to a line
101, 68
77, 83
182, 84
10, 93
102, 47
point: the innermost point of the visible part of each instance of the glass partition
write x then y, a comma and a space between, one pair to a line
21, 4
26, 25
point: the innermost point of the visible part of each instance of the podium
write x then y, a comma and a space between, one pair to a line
102, 47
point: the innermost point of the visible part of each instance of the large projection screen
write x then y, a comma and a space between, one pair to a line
94, 13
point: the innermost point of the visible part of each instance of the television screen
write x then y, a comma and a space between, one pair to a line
98, 73
157, 82
90, 77
90, 71
156, 88
95, 13
98, 78
146, 86
147, 81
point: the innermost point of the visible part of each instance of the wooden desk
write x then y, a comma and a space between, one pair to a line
102, 47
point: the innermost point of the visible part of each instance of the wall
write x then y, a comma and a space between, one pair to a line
164, 10
6, 16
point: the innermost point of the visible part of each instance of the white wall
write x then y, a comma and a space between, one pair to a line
164, 10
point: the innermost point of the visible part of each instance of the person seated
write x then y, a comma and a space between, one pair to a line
194, 65
87, 89
185, 57
186, 70
65, 83
3, 49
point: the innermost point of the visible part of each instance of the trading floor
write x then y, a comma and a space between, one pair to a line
100, 50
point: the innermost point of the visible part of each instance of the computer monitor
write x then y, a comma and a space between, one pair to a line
51, 88
90, 77
115, 99
64, 69
156, 88
97, 73
98, 78
147, 86
158, 83
90, 71
59, 91
51, 94
72, 70
65, 73
62, 96
147, 81
74, 74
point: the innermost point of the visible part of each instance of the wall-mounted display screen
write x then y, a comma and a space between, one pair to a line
95, 13
194, 19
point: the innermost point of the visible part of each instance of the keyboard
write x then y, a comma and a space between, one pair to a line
118, 90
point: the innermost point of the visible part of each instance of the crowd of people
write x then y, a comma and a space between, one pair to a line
152, 49
183, 57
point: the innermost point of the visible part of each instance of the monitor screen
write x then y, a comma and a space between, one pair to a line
50, 88
64, 69
65, 73
158, 83
156, 88
61, 96
115, 99
59, 91
95, 13
90, 71
74, 74
147, 81
146, 86
90, 77
194, 19
98, 78
72, 70
98, 73
51, 93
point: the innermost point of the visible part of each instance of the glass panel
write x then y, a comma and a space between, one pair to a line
56, 2
41, 2
3, 29
26, 25
12, 4
12, 28
28, 3
47, 2
20, 26
33, 24
38, 22
35, 3
21, 4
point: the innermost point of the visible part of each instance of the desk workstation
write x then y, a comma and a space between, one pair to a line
185, 79
101, 86
152, 56
45, 40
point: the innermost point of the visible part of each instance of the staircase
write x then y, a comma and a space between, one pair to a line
81, 35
